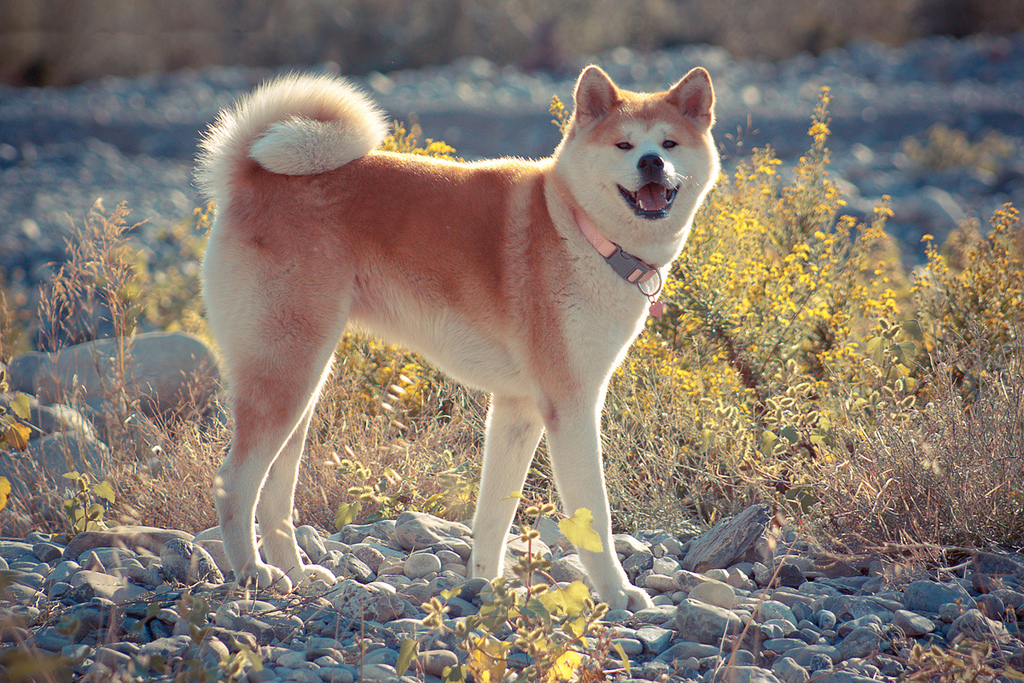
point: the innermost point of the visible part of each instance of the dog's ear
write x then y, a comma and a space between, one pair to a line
695, 98
596, 95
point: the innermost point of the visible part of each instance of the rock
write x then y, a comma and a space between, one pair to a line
703, 623
420, 564
637, 563
929, 596
309, 540
358, 602
167, 372
861, 642
187, 563
913, 625
749, 674
416, 530
715, 593
569, 568
974, 625
996, 564
86, 585
131, 537
773, 609
433, 662
788, 671
748, 536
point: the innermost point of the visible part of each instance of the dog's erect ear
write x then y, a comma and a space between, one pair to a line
595, 95
695, 98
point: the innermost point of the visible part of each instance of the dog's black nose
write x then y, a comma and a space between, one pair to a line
650, 162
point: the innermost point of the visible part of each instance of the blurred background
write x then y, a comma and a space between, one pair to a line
62, 42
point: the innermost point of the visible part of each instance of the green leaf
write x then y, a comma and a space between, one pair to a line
347, 513
21, 406
578, 529
104, 491
789, 433
72, 475
410, 648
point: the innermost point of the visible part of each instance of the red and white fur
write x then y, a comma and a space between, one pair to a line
480, 267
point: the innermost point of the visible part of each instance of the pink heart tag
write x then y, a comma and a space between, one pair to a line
657, 309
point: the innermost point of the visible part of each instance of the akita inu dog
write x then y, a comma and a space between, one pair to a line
528, 279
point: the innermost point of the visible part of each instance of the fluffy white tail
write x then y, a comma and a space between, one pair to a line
294, 125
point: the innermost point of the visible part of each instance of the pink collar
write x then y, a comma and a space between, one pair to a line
629, 267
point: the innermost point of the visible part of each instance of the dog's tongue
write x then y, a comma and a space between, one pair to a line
651, 197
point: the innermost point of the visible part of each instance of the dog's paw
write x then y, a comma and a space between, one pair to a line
262, 576
310, 573
629, 597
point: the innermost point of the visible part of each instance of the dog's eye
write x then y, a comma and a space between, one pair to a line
624, 146
669, 144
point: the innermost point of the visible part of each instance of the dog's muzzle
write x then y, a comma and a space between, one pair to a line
654, 197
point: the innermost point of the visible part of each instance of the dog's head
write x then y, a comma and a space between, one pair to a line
640, 161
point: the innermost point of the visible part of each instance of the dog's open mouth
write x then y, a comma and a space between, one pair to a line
651, 201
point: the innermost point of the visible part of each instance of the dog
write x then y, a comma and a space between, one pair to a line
528, 279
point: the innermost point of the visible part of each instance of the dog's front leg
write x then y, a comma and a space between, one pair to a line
513, 432
573, 434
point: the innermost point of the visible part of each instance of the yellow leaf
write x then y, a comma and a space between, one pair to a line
565, 666
20, 406
579, 531
16, 436
5, 490
571, 600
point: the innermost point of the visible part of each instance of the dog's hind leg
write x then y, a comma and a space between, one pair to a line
274, 510
276, 347
513, 431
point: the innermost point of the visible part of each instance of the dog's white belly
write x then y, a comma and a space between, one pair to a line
464, 352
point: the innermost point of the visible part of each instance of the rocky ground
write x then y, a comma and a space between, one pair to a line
727, 606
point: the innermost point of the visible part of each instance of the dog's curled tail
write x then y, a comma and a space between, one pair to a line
294, 125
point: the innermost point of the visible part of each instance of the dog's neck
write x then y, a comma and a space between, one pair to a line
628, 267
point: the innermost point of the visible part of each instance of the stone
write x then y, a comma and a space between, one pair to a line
930, 596
660, 583
749, 536
86, 585
715, 593
187, 563
421, 564
686, 650
309, 540
569, 568
416, 530
174, 646
131, 537
654, 638
788, 671
433, 662
167, 372
911, 624
706, 624
749, 674
358, 602
974, 625
773, 609
861, 642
